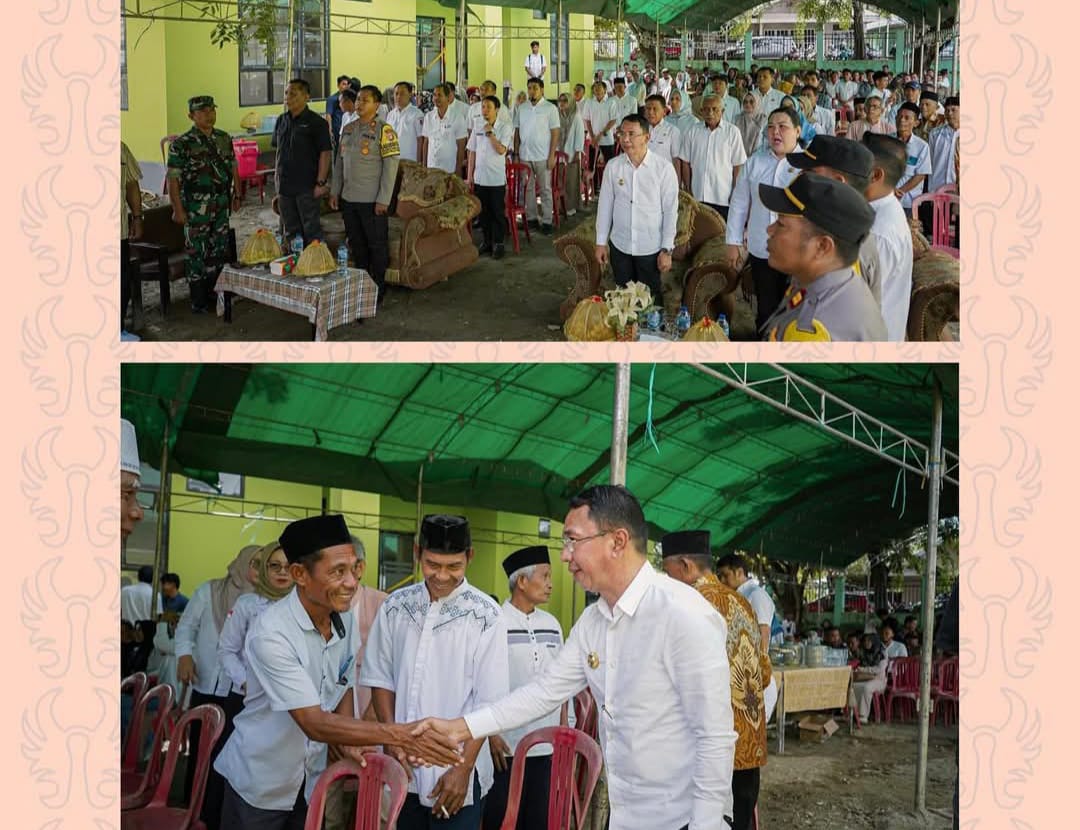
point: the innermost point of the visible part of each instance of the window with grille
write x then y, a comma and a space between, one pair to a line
559, 50
395, 558
262, 76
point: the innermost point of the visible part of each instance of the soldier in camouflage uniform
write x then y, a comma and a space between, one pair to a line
202, 174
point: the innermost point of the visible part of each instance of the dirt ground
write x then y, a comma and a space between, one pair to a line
861, 782
516, 298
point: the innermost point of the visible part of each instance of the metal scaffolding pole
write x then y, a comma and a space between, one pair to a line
163, 505
619, 39
459, 41
558, 52
929, 589
937, 47
619, 423
953, 90
922, 47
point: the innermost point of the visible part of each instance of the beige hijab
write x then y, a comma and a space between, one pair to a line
749, 126
224, 591
261, 562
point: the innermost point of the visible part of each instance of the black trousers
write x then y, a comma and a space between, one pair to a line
415, 816
492, 212
627, 268
721, 209
215, 784
237, 814
769, 288
300, 215
369, 239
535, 793
745, 786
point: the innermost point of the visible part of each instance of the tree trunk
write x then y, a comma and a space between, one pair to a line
879, 584
858, 30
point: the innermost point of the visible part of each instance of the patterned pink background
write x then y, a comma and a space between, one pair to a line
60, 444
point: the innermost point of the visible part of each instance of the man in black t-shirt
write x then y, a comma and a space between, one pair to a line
304, 152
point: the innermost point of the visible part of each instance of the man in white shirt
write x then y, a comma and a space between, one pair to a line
733, 571
894, 649
714, 155
536, 140
663, 86
891, 230
598, 114
533, 638
769, 97
653, 652
407, 121
881, 81
731, 106
918, 168
299, 699
444, 134
598, 77
943, 146
846, 91
476, 109
637, 211
135, 599
665, 138
438, 648
623, 103
535, 65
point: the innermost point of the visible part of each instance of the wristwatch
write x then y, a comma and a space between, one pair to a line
666, 251
321, 184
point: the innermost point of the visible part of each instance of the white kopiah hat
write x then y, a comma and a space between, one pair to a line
129, 448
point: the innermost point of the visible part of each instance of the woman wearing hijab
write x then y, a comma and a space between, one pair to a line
750, 123
572, 141
870, 676
749, 219
272, 582
807, 131
680, 115
197, 665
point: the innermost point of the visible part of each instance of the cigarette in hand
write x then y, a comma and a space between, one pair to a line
444, 813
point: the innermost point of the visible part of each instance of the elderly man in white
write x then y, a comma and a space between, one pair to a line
714, 155
653, 653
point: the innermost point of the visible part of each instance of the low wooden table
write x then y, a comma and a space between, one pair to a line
328, 301
803, 689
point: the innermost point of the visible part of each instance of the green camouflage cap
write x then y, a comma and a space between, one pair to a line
200, 102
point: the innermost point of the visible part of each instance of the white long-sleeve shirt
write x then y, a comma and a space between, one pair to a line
245, 611
197, 637
135, 602
748, 218
574, 140
895, 258
657, 665
639, 205
942, 157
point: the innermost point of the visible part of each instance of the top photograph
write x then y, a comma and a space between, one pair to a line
540, 170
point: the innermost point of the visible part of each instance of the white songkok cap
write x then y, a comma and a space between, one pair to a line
129, 449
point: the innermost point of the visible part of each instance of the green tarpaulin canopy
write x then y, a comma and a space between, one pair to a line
702, 14
525, 437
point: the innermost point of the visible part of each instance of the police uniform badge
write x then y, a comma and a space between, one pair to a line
388, 142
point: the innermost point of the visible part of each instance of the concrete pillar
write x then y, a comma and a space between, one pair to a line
820, 56
748, 49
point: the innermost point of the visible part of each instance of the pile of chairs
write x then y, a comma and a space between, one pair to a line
146, 780
901, 693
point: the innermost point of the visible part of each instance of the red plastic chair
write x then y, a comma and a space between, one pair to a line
905, 685
567, 792
946, 211
946, 694
558, 185
585, 713
518, 185
248, 171
157, 815
136, 787
135, 685
381, 770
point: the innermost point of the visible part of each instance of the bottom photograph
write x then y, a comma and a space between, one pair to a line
498, 596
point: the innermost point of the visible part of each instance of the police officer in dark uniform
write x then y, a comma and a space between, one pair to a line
364, 175
202, 175
819, 227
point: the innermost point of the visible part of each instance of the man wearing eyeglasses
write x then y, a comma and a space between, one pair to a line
639, 204
653, 653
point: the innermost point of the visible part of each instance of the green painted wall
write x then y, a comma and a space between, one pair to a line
142, 124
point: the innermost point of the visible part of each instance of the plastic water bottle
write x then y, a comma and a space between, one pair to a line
298, 245
343, 260
721, 320
682, 321
652, 320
